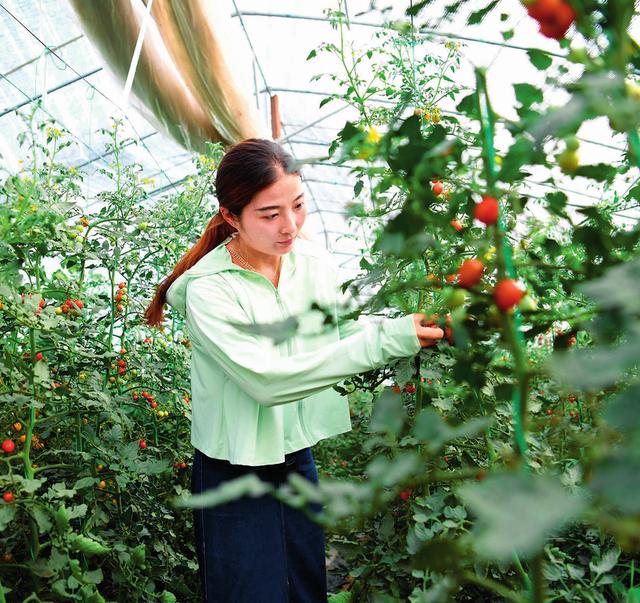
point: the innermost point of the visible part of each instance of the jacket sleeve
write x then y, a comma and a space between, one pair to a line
271, 379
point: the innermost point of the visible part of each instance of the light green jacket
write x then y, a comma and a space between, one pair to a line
253, 401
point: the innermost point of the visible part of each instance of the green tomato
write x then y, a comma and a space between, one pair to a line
143, 226
456, 299
73, 234
573, 144
528, 304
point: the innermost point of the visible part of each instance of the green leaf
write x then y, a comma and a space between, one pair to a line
634, 595
507, 35
601, 172
278, 331
595, 368
606, 563
616, 480
7, 513
468, 106
343, 597
556, 203
388, 414
167, 597
479, 15
41, 516
527, 94
540, 60
433, 431
138, 555
88, 546
62, 520
517, 511
312, 54
247, 485
357, 189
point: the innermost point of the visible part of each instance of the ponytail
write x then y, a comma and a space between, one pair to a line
217, 231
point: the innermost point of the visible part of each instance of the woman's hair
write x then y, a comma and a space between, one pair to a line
247, 168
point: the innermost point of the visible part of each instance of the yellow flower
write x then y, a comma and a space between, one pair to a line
498, 160
374, 136
20, 160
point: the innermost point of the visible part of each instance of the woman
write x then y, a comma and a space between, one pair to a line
259, 406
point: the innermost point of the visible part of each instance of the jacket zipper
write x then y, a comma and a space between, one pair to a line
284, 316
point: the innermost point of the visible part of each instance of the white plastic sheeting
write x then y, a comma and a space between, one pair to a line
269, 45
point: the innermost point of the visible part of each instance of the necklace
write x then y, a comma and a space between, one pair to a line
246, 264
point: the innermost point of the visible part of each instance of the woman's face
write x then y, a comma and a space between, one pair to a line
272, 221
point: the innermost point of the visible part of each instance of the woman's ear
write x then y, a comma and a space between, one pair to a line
228, 216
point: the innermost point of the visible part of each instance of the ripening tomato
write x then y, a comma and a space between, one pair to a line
470, 273
456, 224
543, 10
508, 294
557, 27
438, 187
487, 211
396, 389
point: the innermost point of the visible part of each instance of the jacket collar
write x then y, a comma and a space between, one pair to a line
216, 261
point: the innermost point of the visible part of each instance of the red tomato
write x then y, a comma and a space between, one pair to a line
456, 225
507, 294
411, 388
143, 444
396, 389
543, 10
470, 273
487, 211
8, 446
7, 497
438, 187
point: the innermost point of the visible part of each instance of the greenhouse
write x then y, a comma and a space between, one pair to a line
319, 302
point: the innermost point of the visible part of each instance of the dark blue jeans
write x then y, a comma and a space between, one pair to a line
258, 550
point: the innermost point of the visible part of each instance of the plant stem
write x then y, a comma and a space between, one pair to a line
538, 580
524, 577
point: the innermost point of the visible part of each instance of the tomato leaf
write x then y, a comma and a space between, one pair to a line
516, 512
539, 59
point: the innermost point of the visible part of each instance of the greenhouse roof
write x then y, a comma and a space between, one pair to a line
46, 57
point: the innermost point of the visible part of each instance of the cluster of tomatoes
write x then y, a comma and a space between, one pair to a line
508, 293
121, 298
122, 369
432, 115
554, 16
407, 493
70, 306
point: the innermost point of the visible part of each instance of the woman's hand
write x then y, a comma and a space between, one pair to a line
427, 335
